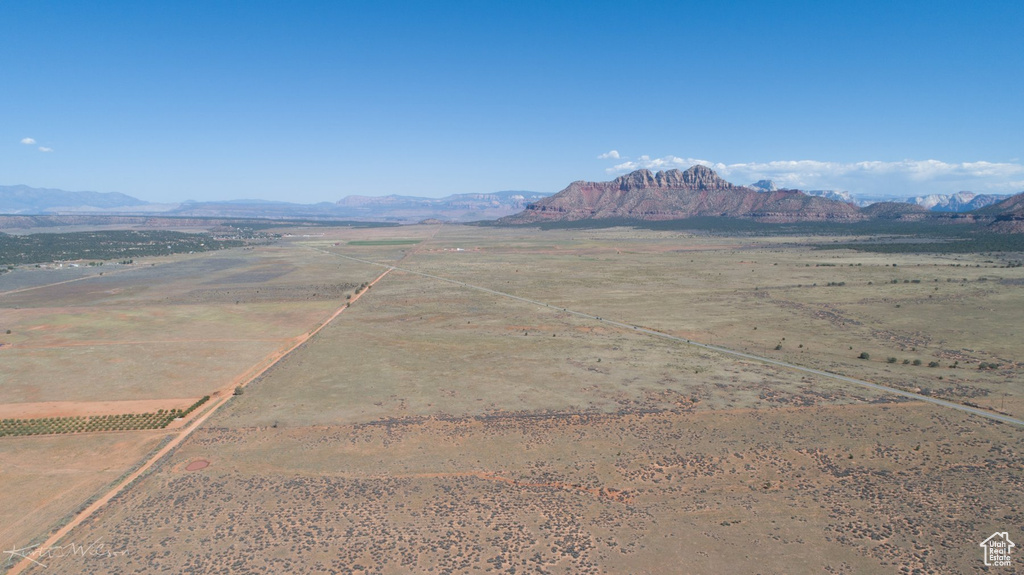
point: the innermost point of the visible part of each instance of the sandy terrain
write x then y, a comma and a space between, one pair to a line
437, 427
81, 408
177, 437
47, 478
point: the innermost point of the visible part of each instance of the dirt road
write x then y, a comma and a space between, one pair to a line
222, 398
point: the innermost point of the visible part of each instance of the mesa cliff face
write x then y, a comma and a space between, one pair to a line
675, 194
1008, 215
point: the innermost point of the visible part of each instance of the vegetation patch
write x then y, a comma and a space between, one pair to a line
79, 424
104, 245
895, 236
946, 241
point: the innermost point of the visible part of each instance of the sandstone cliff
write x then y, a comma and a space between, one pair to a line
676, 194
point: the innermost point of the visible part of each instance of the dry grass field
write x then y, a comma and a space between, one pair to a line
47, 478
155, 335
756, 294
812, 489
168, 329
437, 427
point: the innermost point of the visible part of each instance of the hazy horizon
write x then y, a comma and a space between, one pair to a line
781, 184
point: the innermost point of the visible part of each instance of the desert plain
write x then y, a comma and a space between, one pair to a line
461, 399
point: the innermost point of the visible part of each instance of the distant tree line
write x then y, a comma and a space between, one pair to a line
928, 236
951, 243
104, 245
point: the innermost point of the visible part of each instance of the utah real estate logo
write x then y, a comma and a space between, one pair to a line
997, 549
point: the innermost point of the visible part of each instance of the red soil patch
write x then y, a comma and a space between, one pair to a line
197, 465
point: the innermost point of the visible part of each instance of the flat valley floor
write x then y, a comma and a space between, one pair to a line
507, 401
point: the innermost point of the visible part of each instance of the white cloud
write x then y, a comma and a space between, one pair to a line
45, 149
28, 141
901, 178
613, 154
666, 163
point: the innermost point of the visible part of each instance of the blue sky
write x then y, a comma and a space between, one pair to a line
313, 101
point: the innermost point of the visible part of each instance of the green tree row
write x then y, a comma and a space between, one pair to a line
82, 424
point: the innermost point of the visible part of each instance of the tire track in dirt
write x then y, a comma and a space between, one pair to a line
103, 273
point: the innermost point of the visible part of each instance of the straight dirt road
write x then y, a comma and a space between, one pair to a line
226, 393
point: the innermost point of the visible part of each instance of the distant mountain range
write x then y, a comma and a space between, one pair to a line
672, 194
403, 209
959, 202
458, 207
23, 199
700, 192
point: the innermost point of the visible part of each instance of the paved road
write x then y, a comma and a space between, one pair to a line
724, 350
